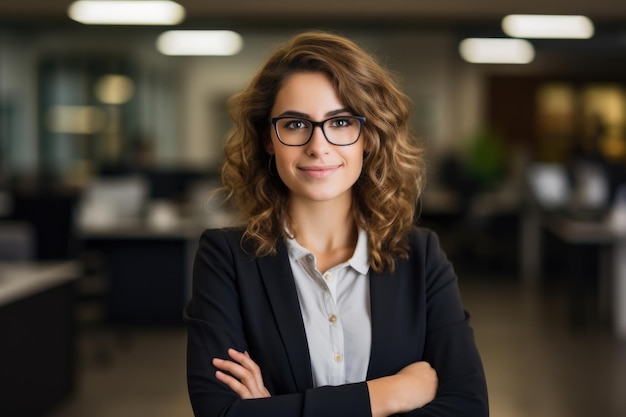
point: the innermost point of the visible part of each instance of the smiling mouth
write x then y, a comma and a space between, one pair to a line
319, 172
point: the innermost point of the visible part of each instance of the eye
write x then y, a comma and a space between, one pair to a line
341, 122
295, 124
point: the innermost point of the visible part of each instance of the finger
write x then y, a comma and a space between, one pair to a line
257, 372
240, 372
234, 384
235, 376
246, 361
231, 367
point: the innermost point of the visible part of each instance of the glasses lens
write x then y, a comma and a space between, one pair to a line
293, 131
342, 130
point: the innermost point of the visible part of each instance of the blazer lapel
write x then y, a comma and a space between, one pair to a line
382, 290
278, 280
398, 320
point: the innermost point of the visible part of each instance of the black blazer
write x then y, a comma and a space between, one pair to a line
250, 303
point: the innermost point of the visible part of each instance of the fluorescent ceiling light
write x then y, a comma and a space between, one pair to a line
547, 26
496, 51
199, 42
120, 12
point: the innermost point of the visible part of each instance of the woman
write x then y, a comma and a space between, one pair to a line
329, 301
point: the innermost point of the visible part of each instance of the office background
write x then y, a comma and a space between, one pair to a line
109, 149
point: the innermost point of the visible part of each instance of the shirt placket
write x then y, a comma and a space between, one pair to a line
337, 362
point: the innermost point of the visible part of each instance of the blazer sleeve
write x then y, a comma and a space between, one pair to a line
215, 323
450, 347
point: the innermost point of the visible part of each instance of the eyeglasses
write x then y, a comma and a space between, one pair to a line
339, 130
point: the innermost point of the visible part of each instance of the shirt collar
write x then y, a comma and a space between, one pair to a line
359, 260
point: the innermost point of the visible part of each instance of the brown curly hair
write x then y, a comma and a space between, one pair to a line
386, 193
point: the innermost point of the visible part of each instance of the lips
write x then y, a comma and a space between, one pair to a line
319, 171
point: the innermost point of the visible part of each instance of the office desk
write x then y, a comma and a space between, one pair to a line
612, 261
37, 345
148, 269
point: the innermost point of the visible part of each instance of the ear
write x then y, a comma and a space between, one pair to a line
269, 148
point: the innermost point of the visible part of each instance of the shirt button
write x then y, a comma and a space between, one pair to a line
332, 318
328, 276
338, 357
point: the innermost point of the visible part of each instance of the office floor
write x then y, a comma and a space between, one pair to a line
536, 364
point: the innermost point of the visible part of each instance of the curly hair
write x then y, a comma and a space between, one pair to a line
386, 193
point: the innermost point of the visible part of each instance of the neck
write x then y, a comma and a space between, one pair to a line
324, 227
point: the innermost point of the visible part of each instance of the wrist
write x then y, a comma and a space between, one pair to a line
383, 400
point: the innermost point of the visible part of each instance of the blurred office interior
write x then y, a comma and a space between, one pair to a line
109, 149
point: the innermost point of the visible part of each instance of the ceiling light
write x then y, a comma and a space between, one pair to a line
547, 26
120, 12
114, 89
496, 51
199, 42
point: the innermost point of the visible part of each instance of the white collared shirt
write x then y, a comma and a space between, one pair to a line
335, 307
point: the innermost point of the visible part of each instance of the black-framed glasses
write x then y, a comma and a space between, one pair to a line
338, 130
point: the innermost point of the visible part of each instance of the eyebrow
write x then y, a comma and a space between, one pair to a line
306, 116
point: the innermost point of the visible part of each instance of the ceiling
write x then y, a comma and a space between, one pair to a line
464, 18
353, 11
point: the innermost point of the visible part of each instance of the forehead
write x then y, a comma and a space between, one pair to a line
307, 92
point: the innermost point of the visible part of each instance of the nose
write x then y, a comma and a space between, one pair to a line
318, 143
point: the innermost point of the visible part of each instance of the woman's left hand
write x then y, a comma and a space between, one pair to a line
241, 374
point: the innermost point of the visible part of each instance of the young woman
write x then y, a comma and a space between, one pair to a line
328, 301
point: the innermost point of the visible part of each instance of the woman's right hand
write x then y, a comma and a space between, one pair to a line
412, 387
241, 374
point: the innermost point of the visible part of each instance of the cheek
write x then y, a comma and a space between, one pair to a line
355, 165
283, 160
360, 170
358, 157
281, 168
